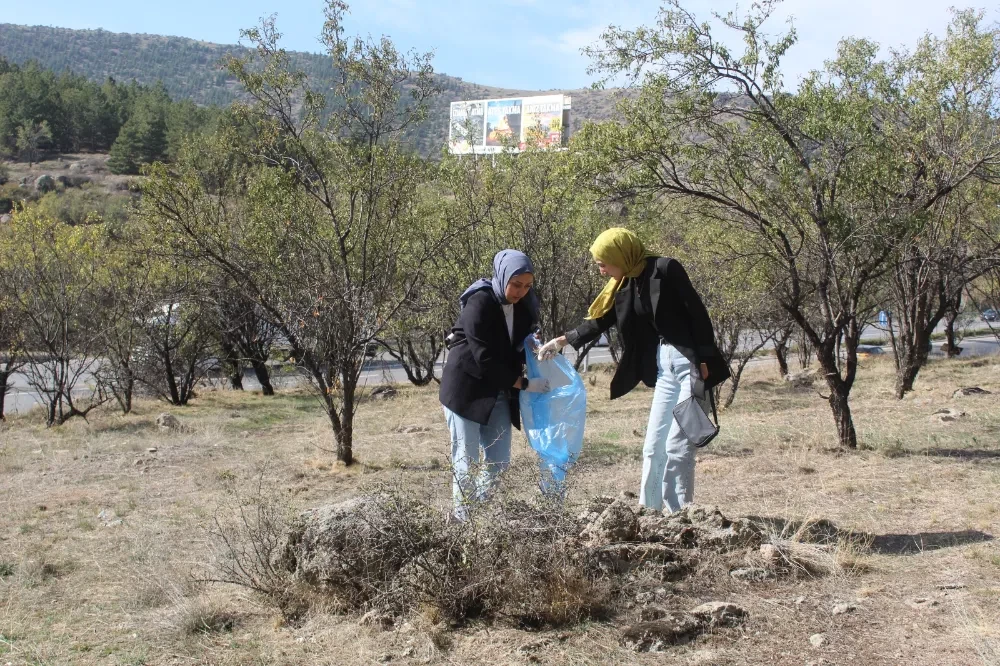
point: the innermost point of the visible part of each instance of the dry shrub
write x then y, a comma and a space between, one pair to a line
250, 531
816, 547
393, 553
206, 618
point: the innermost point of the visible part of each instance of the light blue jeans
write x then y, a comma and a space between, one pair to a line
469, 441
667, 455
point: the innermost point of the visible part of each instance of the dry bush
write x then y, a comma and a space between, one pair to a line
394, 553
816, 547
250, 530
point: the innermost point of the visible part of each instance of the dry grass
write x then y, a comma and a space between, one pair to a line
78, 587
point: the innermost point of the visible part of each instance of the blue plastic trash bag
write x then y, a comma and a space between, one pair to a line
554, 421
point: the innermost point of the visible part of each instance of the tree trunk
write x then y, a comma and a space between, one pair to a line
263, 376
842, 415
805, 351
168, 367
953, 349
781, 339
3, 394
839, 397
912, 357
232, 362
345, 437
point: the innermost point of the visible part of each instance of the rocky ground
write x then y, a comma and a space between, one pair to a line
797, 553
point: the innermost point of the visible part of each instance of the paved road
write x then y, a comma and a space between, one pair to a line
386, 371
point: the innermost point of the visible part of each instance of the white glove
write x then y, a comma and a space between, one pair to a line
550, 349
537, 385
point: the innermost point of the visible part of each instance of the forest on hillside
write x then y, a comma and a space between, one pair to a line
193, 70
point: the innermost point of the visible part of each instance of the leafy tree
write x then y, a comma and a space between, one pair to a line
825, 180
950, 123
319, 229
54, 276
31, 137
12, 357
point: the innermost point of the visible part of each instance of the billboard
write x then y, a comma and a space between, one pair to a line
509, 124
466, 127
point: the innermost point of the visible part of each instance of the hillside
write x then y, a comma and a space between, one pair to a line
191, 69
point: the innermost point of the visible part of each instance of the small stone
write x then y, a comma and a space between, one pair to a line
770, 553
921, 603
971, 390
722, 613
818, 640
752, 574
843, 609
948, 415
675, 628
377, 620
951, 586
138, 462
151, 449
799, 601
650, 613
384, 393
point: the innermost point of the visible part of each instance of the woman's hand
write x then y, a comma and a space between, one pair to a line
704, 370
538, 385
551, 348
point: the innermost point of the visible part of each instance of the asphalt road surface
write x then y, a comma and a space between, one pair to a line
384, 370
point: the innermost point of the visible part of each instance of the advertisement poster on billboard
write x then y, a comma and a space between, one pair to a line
542, 122
466, 129
503, 122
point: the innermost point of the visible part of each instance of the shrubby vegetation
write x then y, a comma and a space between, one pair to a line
307, 223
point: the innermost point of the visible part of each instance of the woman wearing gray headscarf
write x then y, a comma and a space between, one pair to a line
481, 380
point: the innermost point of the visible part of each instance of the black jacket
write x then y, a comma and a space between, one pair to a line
681, 320
487, 361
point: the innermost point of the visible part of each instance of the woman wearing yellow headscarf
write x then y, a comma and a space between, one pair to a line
667, 343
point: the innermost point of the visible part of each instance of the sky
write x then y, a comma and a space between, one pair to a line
527, 44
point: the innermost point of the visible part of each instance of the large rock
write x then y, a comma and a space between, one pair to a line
622, 558
714, 531
45, 183
167, 421
617, 523
675, 628
802, 379
355, 543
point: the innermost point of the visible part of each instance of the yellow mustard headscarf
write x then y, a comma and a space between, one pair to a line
623, 249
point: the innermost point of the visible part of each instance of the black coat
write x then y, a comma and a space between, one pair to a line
681, 320
487, 362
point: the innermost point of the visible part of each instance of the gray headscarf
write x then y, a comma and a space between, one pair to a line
507, 264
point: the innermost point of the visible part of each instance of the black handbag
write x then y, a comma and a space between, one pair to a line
692, 416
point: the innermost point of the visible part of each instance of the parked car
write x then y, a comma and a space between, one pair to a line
867, 351
990, 314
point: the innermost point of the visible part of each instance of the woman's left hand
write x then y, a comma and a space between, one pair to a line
704, 370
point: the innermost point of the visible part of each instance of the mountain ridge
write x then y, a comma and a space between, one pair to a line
191, 69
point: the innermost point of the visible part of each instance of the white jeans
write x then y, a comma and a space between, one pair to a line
469, 441
667, 455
